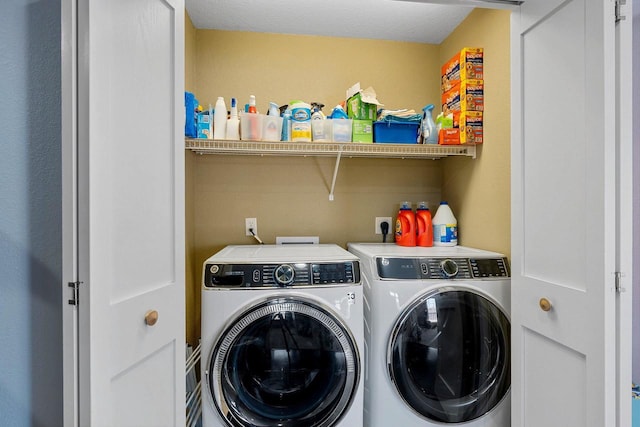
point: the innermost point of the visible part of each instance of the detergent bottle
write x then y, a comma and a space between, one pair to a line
406, 226
428, 126
338, 113
424, 226
220, 119
445, 226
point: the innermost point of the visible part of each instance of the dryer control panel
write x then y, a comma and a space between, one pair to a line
281, 275
442, 268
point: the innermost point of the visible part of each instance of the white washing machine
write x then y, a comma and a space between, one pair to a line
437, 336
282, 337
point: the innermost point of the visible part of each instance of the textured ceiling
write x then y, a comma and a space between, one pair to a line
369, 19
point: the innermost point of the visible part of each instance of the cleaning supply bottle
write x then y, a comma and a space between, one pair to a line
319, 131
273, 109
445, 226
233, 123
316, 111
424, 226
220, 119
271, 123
252, 104
338, 113
428, 126
300, 121
406, 226
286, 125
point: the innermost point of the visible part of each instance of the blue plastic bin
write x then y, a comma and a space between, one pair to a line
395, 133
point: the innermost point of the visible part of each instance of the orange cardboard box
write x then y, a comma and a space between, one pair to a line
471, 127
468, 129
468, 95
449, 136
468, 63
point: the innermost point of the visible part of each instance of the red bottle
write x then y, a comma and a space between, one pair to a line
406, 226
424, 225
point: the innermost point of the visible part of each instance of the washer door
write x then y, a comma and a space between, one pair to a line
449, 355
285, 362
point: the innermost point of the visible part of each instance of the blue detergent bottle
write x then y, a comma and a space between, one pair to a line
428, 126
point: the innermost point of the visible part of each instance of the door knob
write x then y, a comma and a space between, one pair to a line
151, 317
545, 304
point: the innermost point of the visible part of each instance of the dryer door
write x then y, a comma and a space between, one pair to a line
449, 355
284, 362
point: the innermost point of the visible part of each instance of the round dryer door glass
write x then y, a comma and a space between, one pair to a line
449, 356
286, 362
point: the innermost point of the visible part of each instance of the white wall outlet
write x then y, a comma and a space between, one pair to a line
250, 224
380, 220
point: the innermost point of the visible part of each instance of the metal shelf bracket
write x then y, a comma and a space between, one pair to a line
335, 174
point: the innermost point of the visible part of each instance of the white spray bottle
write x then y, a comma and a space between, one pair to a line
233, 124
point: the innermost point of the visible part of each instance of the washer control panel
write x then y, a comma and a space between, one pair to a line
281, 275
442, 268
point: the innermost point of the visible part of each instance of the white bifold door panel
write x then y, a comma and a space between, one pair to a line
129, 205
564, 220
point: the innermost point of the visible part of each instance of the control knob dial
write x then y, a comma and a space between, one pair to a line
284, 275
449, 268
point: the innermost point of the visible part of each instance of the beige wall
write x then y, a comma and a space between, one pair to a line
479, 190
189, 54
281, 68
289, 195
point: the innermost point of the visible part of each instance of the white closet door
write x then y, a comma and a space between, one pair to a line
130, 204
564, 213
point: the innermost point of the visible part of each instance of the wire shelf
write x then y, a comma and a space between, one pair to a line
348, 149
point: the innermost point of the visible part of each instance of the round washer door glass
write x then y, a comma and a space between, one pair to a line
286, 362
449, 356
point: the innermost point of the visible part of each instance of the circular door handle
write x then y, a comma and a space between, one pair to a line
545, 304
151, 317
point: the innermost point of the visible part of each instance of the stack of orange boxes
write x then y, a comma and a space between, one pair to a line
463, 95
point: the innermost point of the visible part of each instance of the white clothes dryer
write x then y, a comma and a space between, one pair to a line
282, 337
437, 336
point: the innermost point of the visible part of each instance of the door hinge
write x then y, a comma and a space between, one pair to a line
618, 6
75, 297
618, 277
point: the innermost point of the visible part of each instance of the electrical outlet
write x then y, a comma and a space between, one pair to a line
250, 223
380, 220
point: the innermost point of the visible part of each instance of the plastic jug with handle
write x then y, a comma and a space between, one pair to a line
406, 226
424, 225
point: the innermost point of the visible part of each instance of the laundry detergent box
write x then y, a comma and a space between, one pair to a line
449, 136
362, 131
468, 95
467, 64
360, 110
471, 127
204, 126
468, 129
